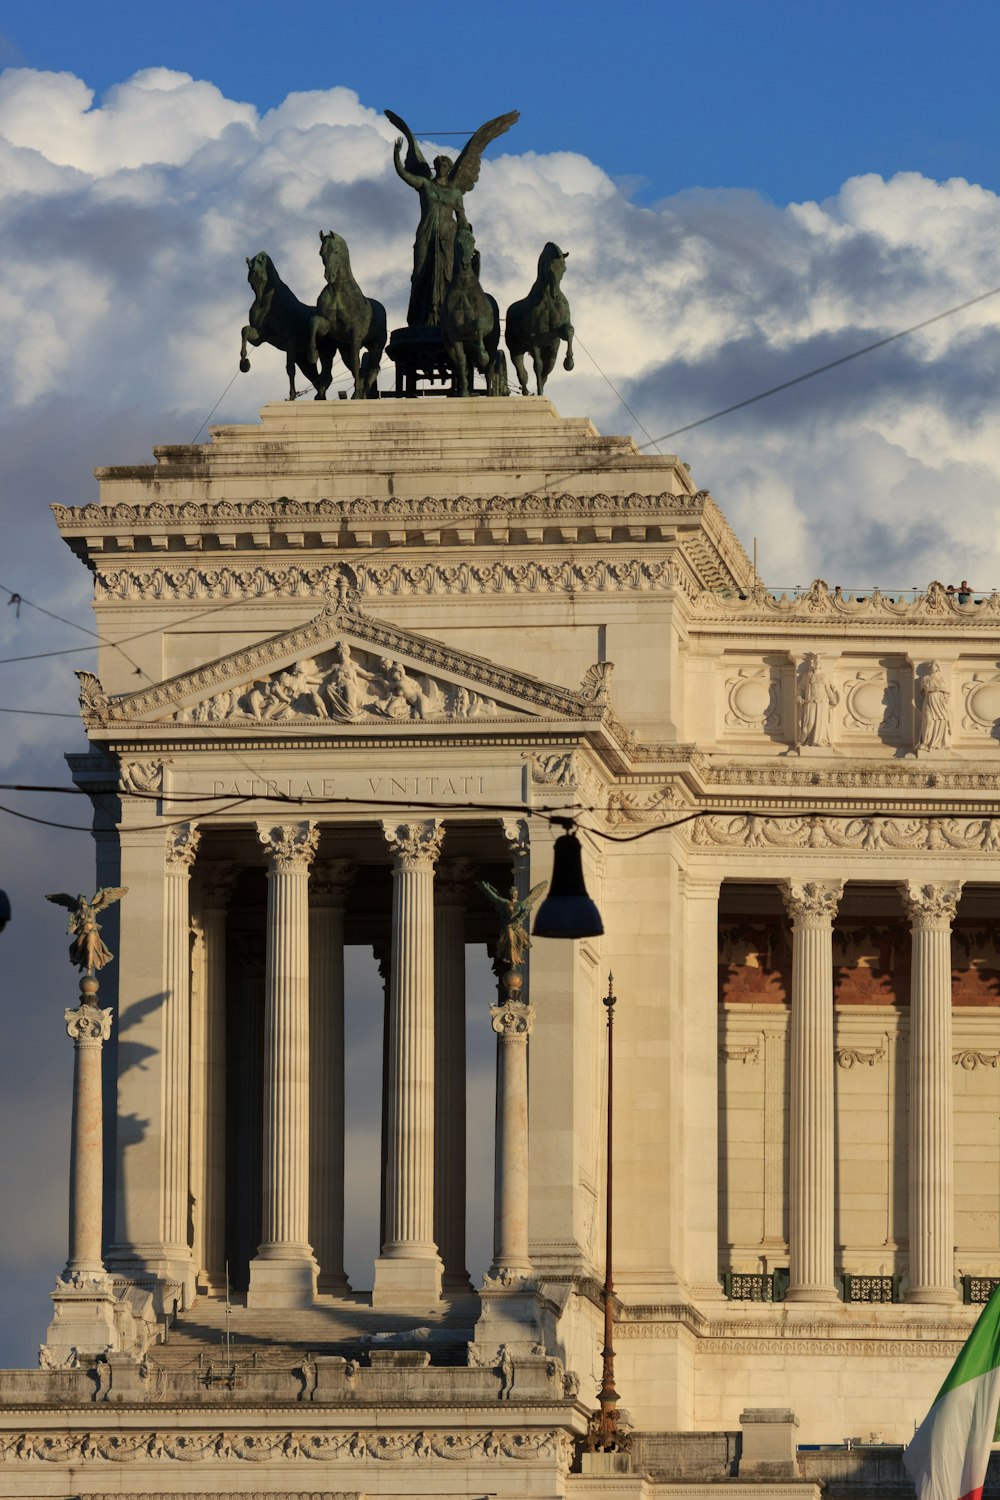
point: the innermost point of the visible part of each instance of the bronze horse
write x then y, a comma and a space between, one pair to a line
277, 317
346, 321
470, 323
536, 325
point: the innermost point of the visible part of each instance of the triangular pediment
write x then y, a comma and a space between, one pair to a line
345, 668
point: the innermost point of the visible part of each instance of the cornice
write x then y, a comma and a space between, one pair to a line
818, 610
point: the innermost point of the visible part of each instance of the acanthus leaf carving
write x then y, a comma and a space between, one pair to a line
931, 904
289, 846
414, 845
812, 903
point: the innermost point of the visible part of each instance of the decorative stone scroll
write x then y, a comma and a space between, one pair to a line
970, 1058
819, 602
852, 1057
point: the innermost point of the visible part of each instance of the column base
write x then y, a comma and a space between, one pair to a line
333, 1284
518, 1316
83, 1322
282, 1282
826, 1295
406, 1282
937, 1296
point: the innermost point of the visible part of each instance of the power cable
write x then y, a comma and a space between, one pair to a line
652, 441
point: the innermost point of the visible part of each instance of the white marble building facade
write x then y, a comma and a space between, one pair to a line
372, 648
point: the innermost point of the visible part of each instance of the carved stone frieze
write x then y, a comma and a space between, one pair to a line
624, 807
814, 831
970, 1058
289, 846
744, 1053
141, 776
855, 776
118, 1447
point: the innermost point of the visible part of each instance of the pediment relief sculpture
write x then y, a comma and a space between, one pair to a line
344, 684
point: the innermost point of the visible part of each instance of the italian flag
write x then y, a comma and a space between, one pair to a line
951, 1448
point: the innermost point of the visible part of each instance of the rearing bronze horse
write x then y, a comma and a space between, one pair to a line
277, 317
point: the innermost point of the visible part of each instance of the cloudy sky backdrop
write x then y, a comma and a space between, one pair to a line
746, 193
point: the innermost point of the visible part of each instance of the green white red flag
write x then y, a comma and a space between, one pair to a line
951, 1448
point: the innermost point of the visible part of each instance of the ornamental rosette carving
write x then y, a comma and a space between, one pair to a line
512, 1023
330, 882
290, 847
88, 1023
181, 847
415, 846
812, 903
931, 906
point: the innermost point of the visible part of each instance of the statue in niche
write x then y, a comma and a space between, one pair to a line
935, 722
442, 211
513, 942
816, 696
88, 950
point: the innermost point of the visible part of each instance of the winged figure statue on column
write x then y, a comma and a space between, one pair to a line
88, 950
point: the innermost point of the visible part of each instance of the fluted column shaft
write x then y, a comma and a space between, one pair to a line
450, 892
181, 846
931, 911
409, 1267
811, 906
328, 893
89, 1026
208, 1065
512, 1024
283, 1274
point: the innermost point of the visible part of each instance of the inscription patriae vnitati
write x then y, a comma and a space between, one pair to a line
450, 784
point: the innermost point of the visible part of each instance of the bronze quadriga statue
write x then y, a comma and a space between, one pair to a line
541, 321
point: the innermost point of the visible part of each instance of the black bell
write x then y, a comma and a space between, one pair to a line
567, 911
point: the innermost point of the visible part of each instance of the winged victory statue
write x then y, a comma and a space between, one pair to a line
442, 210
88, 950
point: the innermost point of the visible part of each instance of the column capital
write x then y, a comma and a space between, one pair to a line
88, 1023
415, 846
451, 882
181, 847
512, 1023
289, 846
330, 882
932, 904
515, 831
218, 877
812, 903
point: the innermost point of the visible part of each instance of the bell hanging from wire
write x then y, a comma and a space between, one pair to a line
567, 911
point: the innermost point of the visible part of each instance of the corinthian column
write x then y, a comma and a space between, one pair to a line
409, 1269
283, 1273
512, 1024
450, 889
208, 1073
812, 906
931, 911
328, 895
84, 1300
181, 847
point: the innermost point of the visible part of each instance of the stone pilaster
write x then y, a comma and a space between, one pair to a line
382, 953
83, 1319
700, 907
512, 1023
328, 895
208, 1072
931, 911
408, 1271
283, 1273
812, 906
450, 892
180, 850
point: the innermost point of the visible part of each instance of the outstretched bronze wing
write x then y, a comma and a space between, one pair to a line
107, 896
534, 894
466, 172
414, 162
62, 899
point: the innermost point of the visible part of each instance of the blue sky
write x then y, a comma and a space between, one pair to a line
746, 190
784, 97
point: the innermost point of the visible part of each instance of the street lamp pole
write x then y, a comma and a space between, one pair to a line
604, 1436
